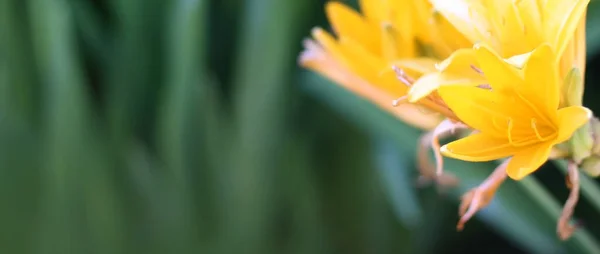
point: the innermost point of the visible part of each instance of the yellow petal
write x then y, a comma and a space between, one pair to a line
478, 147
348, 22
431, 82
570, 119
460, 60
462, 64
476, 107
563, 18
511, 31
416, 65
501, 75
446, 37
423, 87
542, 87
519, 60
528, 160
361, 54
469, 17
396, 43
529, 11
369, 67
372, 9
580, 45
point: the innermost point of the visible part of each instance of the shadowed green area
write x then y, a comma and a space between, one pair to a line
186, 126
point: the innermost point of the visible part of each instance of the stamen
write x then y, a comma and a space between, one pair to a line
485, 86
476, 69
534, 127
510, 127
397, 102
401, 75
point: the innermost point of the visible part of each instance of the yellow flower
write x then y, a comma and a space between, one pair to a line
404, 33
513, 28
517, 117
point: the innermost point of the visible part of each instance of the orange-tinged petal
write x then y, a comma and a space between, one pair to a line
343, 57
478, 147
542, 87
570, 119
315, 57
348, 22
502, 75
528, 160
330, 45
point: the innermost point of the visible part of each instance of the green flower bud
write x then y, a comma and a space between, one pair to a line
591, 165
573, 88
581, 143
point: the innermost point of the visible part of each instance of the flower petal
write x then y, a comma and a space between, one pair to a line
469, 17
530, 14
431, 82
372, 9
317, 58
476, 107
570, 119
563, 18
478, 147
461, 60
348, 22
502, 76
542, 82
416, 65
347, 59
528, 160
511, 30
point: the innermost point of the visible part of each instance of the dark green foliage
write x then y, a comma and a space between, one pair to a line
186, 126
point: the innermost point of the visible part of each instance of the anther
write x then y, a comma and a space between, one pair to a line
397, 102
485, 86
401, 75
476, 69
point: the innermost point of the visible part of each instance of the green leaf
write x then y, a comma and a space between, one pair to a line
398, 182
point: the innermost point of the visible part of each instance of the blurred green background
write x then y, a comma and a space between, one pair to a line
186, 126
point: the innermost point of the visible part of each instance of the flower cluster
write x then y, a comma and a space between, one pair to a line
508, 72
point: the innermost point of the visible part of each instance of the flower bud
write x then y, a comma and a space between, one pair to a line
573, 88
591, 166
581, 143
